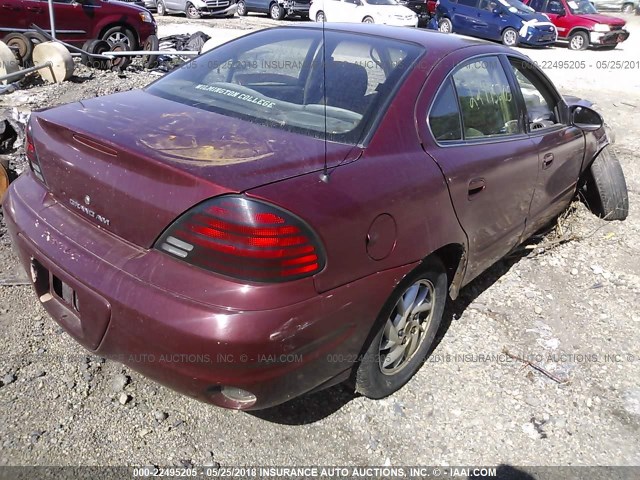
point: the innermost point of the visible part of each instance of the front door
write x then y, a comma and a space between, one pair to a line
560, 146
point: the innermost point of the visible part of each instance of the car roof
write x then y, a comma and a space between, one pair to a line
436, 42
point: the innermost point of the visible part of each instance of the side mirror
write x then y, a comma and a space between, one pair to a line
497, 11
586, 119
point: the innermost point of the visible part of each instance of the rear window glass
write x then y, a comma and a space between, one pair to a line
286, 83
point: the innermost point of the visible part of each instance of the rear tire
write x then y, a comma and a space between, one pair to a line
320, 17
368, 19
242, 9
606, 188
419, 300
161, 9
627, 8
276, 12
578, 41
445, 25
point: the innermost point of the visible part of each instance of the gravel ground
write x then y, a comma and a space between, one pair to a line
572, 309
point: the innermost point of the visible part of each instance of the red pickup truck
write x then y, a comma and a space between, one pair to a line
77, 21
579, 23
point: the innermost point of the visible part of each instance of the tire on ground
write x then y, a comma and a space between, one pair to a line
369, 379
606, 188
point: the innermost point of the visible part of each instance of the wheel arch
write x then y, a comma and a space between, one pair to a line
582, 29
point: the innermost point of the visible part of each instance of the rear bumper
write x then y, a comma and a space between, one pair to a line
610, 38
180, 341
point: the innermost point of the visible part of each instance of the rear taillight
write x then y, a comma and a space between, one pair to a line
32, 155
245, 239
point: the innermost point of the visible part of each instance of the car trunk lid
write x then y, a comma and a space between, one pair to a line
132, 162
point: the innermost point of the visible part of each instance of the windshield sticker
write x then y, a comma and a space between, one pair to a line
235, 94
573, 5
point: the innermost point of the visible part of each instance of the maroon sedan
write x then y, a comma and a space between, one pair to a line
292, 209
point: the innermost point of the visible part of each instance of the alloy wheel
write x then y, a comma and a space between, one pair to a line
405, 329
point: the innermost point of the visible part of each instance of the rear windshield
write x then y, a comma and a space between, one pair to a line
279, 78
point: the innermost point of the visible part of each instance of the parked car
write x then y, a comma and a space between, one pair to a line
624, 6
509, 21
81, 20
421, 9
579, 23
276, 9
386, 12
197, 8
300, 207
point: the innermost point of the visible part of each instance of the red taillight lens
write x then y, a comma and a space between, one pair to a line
32, 155
246, 239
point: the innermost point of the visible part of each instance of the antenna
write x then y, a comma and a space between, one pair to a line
325, 172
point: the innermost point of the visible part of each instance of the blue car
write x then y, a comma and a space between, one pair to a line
508, 21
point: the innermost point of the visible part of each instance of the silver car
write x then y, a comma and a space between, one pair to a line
624, 6
195, 8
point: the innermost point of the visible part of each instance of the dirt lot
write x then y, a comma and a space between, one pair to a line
572, 309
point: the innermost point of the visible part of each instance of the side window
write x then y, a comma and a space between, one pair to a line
554, 6
444, 118
487, 103
541, 104
536, 5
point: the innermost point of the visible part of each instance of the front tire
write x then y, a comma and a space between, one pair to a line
407, 327
510, 37
192, 12
578, 41
276, 12
445, 25
606, 188
241, 9
121, 35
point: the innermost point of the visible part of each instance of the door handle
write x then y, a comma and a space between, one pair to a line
34, 9
476, 186
547, 161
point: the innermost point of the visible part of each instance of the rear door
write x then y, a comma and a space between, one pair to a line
560, 146
476, 135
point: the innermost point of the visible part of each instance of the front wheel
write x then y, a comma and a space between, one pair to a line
276, 12
578, 41
367, 20
407, 327
510, 37
606, 188
445, 25
627, 8
121, 35
192, 12
241, 9
320, 17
